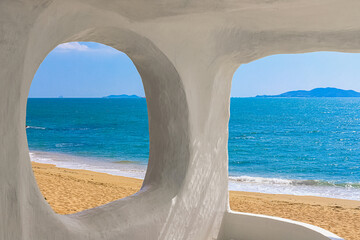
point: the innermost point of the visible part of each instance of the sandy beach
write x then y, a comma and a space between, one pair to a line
70, 191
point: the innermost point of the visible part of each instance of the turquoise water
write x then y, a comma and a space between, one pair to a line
303, 146
107, 129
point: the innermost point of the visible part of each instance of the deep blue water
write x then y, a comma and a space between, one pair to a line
296, 138
108, 129
307, 146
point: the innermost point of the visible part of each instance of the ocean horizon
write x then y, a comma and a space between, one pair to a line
298, 146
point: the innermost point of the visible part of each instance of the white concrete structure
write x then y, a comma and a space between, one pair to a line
186, 52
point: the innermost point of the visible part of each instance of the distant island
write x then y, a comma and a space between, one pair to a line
122, 96
317, 92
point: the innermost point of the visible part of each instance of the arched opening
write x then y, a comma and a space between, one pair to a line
168, 126
87, 117
296, 154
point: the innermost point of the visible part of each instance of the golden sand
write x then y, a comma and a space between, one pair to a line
70, 191
341, 217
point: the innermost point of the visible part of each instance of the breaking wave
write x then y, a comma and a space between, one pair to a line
34, 127
292, 182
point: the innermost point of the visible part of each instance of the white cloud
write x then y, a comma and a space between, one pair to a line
80, 47
72, 46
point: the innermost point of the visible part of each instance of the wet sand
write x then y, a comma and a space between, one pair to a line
70, 191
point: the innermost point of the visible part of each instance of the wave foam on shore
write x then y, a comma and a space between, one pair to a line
317, 188
132, 169
126, 168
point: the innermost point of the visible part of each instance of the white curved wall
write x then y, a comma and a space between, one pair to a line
253, 227
186, 53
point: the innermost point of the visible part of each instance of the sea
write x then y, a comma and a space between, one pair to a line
298, 146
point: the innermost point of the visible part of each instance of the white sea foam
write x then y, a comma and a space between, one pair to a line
294, 187
259, 180
34, 127
75, 162
236, 183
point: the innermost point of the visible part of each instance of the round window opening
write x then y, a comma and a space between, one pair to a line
87, 127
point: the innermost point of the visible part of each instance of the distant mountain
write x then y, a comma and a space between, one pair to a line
122, 96
318, 92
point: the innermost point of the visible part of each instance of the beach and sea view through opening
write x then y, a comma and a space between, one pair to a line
96, 126
186, 53
296, 143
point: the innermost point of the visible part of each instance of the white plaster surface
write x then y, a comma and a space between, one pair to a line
186, 52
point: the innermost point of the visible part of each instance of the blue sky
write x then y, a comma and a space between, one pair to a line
81, 69
86, 70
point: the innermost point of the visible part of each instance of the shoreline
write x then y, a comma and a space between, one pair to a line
245, 183
74, 190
